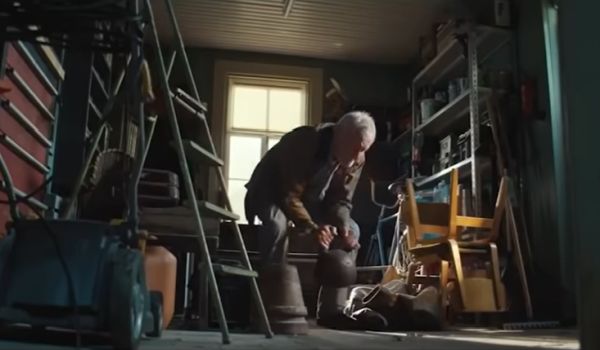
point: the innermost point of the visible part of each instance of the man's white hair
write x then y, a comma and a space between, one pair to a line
358, 121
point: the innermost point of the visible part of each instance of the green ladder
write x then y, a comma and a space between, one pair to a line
189, 149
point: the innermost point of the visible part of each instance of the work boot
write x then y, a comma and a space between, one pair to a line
330, 309
355, 300
394, 307
338, 321
370, 320
331, 301
397, 286
380, 298
426, 315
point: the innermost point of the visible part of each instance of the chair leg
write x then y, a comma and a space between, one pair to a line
460, 278
444, 291
496, 276
410, 275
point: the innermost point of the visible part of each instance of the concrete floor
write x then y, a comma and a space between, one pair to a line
322, 339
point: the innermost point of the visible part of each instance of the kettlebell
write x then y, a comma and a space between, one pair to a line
335, 268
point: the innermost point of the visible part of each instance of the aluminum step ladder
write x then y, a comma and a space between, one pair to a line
188, 150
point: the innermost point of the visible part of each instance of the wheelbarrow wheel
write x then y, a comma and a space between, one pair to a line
127, 296
156, 307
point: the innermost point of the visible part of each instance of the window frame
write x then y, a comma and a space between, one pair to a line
219, 121
264, 134
234, 80
228, 178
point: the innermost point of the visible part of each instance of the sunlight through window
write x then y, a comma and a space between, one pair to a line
259, 112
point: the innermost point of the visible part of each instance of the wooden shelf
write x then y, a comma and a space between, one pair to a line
455, 115
449, 59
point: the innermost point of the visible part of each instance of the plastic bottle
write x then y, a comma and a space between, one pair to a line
444, 192
502, 13
440, 192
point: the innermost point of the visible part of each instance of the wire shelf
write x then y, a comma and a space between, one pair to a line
103, 25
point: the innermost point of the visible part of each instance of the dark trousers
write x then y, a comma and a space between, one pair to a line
273, 245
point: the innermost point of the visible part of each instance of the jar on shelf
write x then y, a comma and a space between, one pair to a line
453, 90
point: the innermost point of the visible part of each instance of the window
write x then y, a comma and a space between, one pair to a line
259, 111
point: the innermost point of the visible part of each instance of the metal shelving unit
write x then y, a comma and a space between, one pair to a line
487, 40
453, 115
462, 57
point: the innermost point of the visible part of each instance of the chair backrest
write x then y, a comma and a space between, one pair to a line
423, 218
444, 219
491, 224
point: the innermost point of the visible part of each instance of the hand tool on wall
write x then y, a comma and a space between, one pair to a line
513, 230
505, 164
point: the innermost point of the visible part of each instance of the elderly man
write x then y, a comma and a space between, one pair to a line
309, 178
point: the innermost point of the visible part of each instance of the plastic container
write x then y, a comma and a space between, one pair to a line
502, 13
161, 276
453, 90
424, 196
441, 193
429, 236
428, 108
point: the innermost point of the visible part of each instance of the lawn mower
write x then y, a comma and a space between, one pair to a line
81, 275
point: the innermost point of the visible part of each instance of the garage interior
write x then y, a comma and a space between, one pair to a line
129, 129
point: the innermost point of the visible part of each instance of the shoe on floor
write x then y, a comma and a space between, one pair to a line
370, 320
426, 313
338, 321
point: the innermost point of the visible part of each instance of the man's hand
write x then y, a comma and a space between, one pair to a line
325, 235
347, 237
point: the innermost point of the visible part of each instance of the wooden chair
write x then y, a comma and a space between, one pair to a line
422, 218
443, 219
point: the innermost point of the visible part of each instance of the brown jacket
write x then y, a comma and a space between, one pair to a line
282, 176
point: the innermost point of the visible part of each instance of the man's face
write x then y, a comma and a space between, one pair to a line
350, 149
